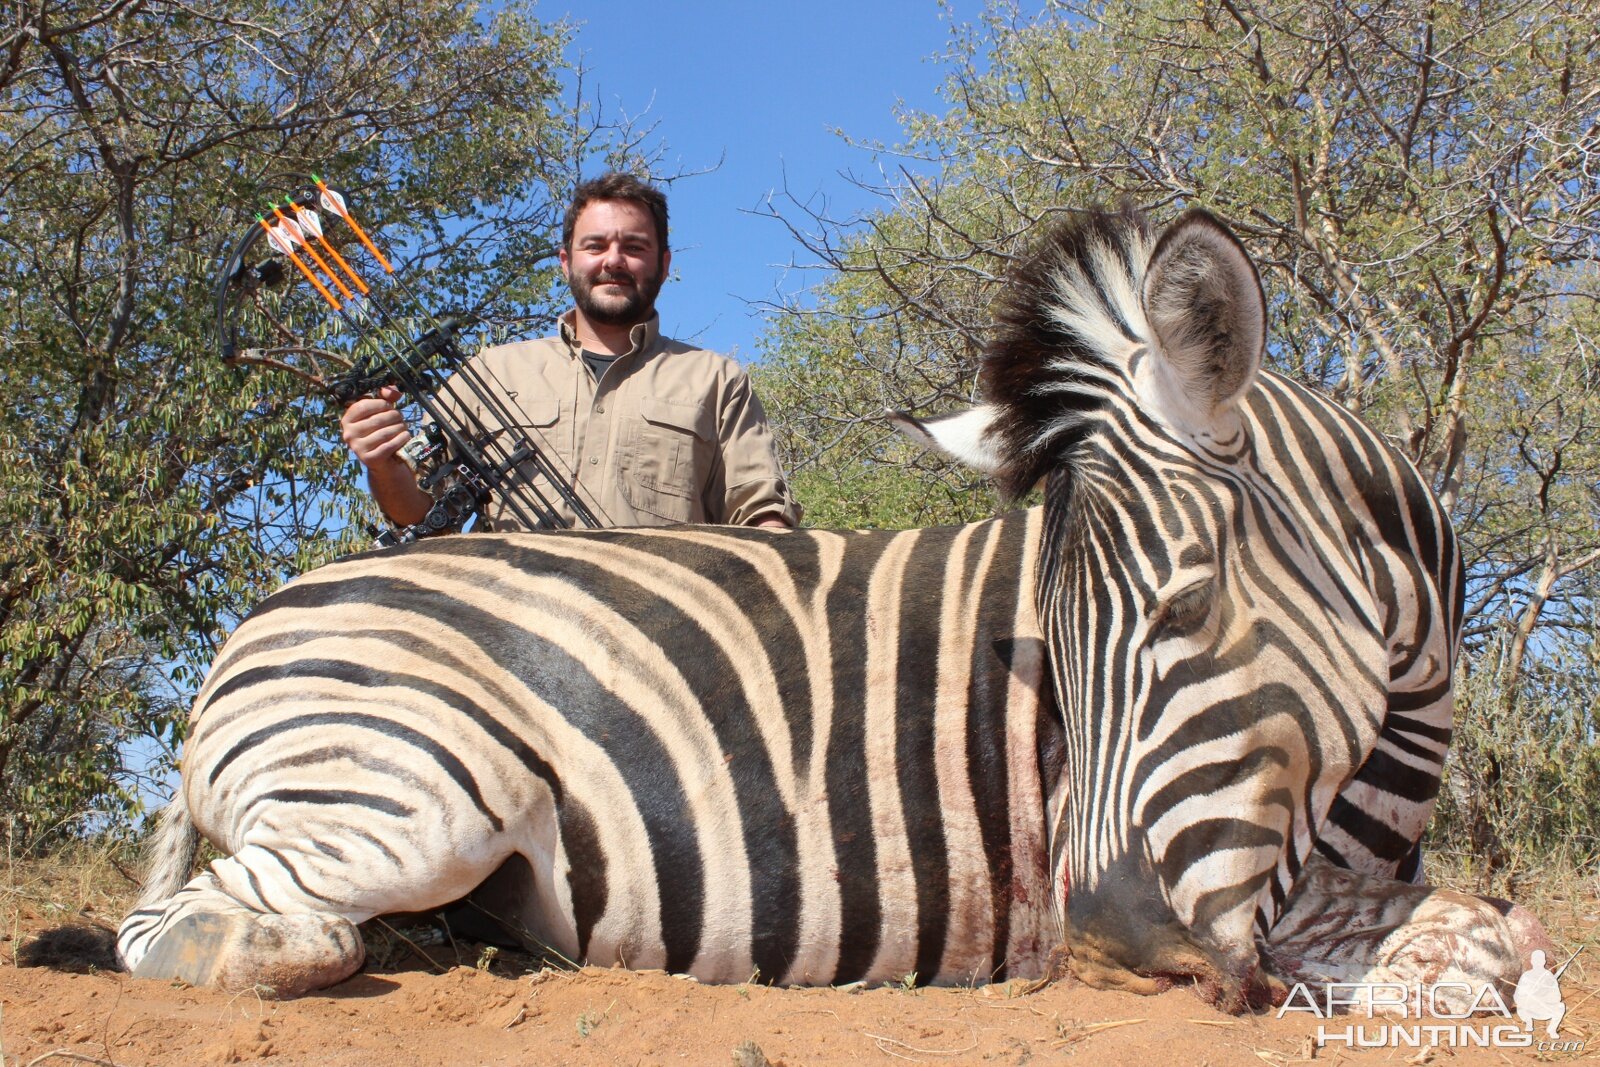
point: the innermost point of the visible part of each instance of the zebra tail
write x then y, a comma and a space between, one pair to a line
169, 855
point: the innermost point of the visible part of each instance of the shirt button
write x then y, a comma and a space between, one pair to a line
593, 460
601, 409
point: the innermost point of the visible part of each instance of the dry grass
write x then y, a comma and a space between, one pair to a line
83, 883
1564, 895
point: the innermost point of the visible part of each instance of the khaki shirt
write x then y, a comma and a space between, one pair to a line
669, 434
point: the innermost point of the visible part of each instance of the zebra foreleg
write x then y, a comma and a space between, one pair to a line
200, 931
1347, 927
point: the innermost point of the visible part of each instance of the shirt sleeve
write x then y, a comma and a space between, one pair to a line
749, 484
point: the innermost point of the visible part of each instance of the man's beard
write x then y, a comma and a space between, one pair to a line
636, 305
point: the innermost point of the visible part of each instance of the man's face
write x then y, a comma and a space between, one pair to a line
615, 265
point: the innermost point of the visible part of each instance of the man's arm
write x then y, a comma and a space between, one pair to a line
376, 431
753, 488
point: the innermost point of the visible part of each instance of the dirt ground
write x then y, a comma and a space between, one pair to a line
406, 1010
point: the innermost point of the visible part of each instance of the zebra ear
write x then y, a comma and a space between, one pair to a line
1202, 297
964, 435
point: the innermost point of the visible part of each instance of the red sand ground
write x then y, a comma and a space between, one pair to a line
414, 1013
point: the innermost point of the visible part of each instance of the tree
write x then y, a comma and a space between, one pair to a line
150, 494
1419, 182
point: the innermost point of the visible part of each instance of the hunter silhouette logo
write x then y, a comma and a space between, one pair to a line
1538, 993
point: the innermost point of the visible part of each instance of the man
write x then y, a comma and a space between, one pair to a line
650, 431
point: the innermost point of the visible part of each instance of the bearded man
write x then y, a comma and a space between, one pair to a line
650, 431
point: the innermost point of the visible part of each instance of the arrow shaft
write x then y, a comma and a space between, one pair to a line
292, 230
362, 234
337, 258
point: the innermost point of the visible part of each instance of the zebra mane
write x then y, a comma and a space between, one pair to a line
1068, 320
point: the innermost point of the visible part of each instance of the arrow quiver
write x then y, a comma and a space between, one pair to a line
287, 298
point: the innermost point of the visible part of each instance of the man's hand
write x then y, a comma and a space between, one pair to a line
376, 431
374, 428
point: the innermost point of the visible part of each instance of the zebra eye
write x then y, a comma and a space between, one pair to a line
1183, 611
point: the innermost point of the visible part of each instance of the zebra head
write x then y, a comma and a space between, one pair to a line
1230, 587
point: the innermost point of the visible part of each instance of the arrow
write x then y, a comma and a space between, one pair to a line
332, 201
311, 224
288, 226
286, 246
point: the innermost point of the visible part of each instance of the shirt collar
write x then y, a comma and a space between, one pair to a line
643, 336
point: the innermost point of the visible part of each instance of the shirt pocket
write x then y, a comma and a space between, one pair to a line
540, 411
531, 421
669, 459
529, 418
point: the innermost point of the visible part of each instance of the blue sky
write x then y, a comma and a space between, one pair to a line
762, 87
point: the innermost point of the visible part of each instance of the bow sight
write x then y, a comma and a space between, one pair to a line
351, 338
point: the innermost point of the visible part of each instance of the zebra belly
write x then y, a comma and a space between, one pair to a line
800, 900
808, 923
720, 752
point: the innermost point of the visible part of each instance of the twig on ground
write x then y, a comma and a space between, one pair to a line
1073, 1031
881, 1040
76, 1057
1587, 997
454, 951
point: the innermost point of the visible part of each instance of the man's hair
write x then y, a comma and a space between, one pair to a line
617, 186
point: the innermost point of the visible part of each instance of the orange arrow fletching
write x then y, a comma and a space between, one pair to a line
276, 239
288, 227
313, 225
300, 239
333, 202
282, 244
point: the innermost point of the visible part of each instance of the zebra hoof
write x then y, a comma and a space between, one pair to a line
274, 955
1528, 934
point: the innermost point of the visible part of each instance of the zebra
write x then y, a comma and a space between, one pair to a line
1143, 731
